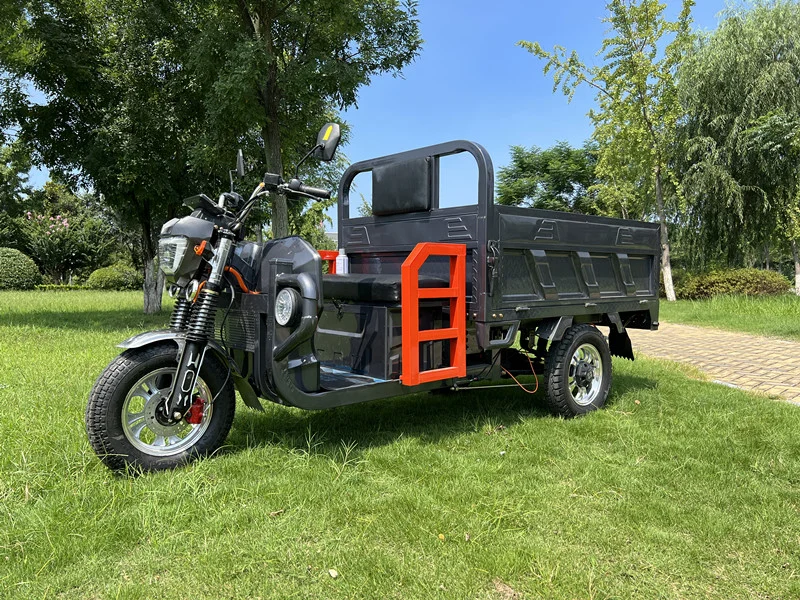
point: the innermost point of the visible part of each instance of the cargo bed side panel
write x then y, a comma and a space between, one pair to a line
549, 258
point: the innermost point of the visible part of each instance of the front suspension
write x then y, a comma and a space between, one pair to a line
201, 328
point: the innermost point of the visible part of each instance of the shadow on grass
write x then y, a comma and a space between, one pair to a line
89, 320
622, 384
429, 418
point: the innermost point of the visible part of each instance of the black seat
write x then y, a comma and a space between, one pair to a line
357, 287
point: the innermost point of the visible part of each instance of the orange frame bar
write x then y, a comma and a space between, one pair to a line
329, 256
456, 293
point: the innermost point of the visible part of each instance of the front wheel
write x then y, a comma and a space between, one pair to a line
578, 371
124, 427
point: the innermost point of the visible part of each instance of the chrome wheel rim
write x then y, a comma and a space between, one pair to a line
585, 374
139, 423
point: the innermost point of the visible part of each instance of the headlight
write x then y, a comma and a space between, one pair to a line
172, 250
287, 304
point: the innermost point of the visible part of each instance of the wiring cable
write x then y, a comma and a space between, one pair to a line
509, 385
522, 387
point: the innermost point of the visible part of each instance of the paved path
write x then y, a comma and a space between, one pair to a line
761, 364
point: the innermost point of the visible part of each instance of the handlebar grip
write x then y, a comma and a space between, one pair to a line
319, 193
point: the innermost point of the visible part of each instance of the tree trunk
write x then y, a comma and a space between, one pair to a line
153, 280
272, 151
666, 267
153, 284
796, 257
271, 133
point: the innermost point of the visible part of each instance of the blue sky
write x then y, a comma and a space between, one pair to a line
472, 82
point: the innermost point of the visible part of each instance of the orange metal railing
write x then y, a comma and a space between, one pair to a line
412, 294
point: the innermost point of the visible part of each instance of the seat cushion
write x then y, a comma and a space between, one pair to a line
358, 287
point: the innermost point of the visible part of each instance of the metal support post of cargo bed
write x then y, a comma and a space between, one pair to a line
456, 332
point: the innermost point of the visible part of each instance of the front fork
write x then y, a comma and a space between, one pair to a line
200, 330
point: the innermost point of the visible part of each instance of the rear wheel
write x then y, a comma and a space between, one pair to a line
578, 371
126, 429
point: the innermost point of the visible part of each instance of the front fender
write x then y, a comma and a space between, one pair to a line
150, 338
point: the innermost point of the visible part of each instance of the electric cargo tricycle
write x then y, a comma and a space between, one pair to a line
433, 299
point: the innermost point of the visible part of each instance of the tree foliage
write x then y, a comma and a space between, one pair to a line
638, 105
741, 91
557, 178
146, 102
15, 163
119, 109
271, 72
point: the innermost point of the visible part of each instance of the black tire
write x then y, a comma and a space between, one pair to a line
565, 396
116, 444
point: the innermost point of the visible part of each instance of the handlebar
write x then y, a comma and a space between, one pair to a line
271, 182
312, 191
296, 185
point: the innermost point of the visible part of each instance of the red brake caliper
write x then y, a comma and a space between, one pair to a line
195, 414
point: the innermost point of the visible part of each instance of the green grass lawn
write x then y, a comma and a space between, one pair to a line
777, 316
678, 489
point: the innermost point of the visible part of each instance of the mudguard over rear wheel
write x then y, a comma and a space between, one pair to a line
578, 371
121, 418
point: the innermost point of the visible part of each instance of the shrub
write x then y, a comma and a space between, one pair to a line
679, 277
748, 282
17, 271
119, 276
66, 244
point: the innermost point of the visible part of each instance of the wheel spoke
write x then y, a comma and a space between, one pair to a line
149, 388
136, 430
135, 417
159, 441
173, 439
142, 393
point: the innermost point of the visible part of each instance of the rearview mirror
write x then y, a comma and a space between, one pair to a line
240, 163
327, 142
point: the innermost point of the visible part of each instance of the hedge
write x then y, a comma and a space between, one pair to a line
17, 271
119, 276
747, 282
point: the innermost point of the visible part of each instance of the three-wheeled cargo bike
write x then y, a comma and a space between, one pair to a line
435, 298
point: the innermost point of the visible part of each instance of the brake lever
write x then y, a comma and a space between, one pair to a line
290, 192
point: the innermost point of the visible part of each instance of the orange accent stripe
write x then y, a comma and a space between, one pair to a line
199, 287
239, 280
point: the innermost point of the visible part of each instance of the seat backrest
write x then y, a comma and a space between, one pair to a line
402, 187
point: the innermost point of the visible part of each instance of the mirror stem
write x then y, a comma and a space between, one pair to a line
302, 160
